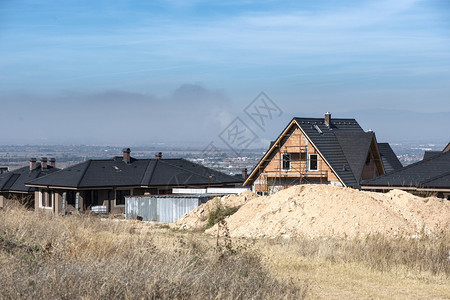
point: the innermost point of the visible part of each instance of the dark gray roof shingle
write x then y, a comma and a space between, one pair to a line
428, 154
355, 146
388, 157
15, 180
343, 144
327, 142
139, 172
431, 172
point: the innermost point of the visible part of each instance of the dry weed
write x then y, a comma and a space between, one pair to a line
46, 257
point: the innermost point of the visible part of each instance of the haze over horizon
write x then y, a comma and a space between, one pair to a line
143, 72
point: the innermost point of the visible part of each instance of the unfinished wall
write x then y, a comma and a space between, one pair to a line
274, 176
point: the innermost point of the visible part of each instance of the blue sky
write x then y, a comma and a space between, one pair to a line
101, 66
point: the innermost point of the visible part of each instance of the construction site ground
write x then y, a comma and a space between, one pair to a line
325, 211
308, 235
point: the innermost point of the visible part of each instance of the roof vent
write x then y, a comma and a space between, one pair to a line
317, 128
370, 130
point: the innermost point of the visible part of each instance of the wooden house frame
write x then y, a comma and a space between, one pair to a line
318, 151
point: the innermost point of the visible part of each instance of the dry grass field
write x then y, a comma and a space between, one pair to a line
83, 257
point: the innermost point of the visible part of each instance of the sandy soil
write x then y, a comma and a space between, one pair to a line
197, 218
321, 210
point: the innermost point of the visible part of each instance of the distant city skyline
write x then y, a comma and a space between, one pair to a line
143, 72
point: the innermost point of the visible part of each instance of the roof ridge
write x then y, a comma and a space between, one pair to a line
153, 171
321, 118
171, 158
84, 172
8, 184
21, 169
7, 176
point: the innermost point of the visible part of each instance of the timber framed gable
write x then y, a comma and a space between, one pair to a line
317, 151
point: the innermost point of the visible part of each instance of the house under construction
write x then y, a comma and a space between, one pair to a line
321, 151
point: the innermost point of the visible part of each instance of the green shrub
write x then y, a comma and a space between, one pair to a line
220, 213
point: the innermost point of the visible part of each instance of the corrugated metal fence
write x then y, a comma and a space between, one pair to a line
163, 209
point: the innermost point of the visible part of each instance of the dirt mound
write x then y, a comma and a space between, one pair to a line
198, 217
321, 210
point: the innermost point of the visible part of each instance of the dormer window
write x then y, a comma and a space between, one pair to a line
313, 162
286, 161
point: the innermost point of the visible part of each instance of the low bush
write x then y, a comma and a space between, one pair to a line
220, 213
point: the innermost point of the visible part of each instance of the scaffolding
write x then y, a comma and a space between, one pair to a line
294, 172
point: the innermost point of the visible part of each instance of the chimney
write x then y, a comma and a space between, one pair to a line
158, 156
44, 163
244, 173
52, 162
328, 119
126, 155
32, 163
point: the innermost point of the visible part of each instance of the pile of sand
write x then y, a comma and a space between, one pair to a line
321, 210
197, 218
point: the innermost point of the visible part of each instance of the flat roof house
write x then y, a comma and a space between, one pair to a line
321, 151
12, 184
106, 182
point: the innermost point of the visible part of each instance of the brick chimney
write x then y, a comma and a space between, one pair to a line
52, 162
44, 163
158, 156
126, 155
244, 173
328, 119
32, 163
